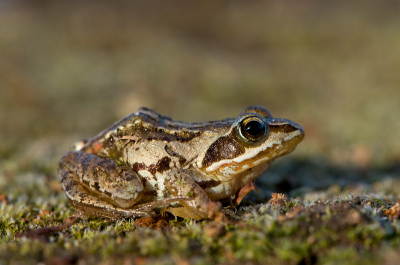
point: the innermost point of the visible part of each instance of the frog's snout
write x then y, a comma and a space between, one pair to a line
287, 129
297, 128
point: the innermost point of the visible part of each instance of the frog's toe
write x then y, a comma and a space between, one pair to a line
186, 212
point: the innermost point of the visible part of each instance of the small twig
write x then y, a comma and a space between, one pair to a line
41, 232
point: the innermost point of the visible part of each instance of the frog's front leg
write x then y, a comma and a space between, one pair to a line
180, 183
100, 187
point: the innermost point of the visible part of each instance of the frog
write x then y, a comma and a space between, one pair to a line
147, 163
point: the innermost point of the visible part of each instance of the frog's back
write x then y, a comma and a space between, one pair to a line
155, 120
145, 125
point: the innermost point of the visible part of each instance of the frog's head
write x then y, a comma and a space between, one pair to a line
253, 141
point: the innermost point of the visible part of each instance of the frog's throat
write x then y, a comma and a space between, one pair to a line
255, 156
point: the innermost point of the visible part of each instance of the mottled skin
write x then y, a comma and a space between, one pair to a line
147, 161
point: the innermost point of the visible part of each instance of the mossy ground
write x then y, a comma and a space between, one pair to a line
333, 226
70, 69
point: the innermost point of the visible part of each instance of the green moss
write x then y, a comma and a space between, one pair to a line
259, 238
347, 256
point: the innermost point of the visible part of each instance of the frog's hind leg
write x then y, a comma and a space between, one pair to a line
111, 212
98, 187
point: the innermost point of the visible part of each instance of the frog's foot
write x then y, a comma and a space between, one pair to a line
98, 187
212, 208
160, 203
111, 212
195, 205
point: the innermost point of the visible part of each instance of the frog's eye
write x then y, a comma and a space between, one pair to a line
253, 128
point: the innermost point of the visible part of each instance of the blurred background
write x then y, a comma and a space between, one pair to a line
69, 69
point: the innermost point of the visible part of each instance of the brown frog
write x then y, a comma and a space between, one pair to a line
147, 161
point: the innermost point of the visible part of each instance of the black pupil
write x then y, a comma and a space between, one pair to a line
254, 128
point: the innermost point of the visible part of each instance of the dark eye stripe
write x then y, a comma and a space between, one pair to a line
225, 147
285, 128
